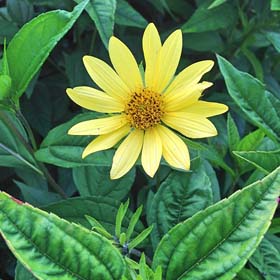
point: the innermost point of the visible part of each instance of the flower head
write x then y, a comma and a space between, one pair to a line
142, 110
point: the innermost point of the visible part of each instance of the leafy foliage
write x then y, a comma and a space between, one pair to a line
218, 221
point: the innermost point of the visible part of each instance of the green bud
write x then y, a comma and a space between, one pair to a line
5, 86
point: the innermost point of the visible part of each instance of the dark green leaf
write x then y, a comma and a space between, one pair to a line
102, 12
179, 197
20, 11
267, 260
205, 19
103, 209
127, 15
94, 180
249, 93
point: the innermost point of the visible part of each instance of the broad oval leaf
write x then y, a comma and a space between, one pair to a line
267, 260
95, 180
53, 248
103, 209
248, 93
32, 44
229, 231
179, 197
205, 19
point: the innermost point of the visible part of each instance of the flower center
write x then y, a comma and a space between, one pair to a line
144, 109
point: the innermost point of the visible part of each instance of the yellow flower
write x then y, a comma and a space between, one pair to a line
144, 110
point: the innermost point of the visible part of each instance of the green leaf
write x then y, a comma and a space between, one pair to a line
230, 231
248, 93
22, 273
20, 11
248, 274
103, 209
266, 260
205, 19
65, 150
133, 222
53, 248
37, 196
266, 161
273, 38
98, 227
275, 5
216, 3
275, 226
5, 86
34, 41
233, 134
119, 218
95, 180
128, 16
179, 197
140, 238
102, 12
13, 153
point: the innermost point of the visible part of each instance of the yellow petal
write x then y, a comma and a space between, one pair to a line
106, 78
95, 100
152, 151
190, 75
106, 141
174, 150
125, 64
98, 126
127, 154
207, 109
190, 125
183, 97
151, 47
167, 61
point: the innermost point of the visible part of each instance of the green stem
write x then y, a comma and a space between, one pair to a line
44, 171
19, 157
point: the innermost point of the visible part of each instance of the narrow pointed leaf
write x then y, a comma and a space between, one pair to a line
266, 161
248, 93
140, 238
133, 222
229, 231
53, 248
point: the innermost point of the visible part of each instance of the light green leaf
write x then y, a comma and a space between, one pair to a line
32, 44
95, 180
205, 19
216, 3
128, 16
119, 218
179, 197
248, 93
103, 209
102, 12
140, 238
275, 5
266, 161
266, 260
230, 231
133, 222
53, 248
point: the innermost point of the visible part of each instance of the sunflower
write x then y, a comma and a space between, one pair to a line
145, 111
